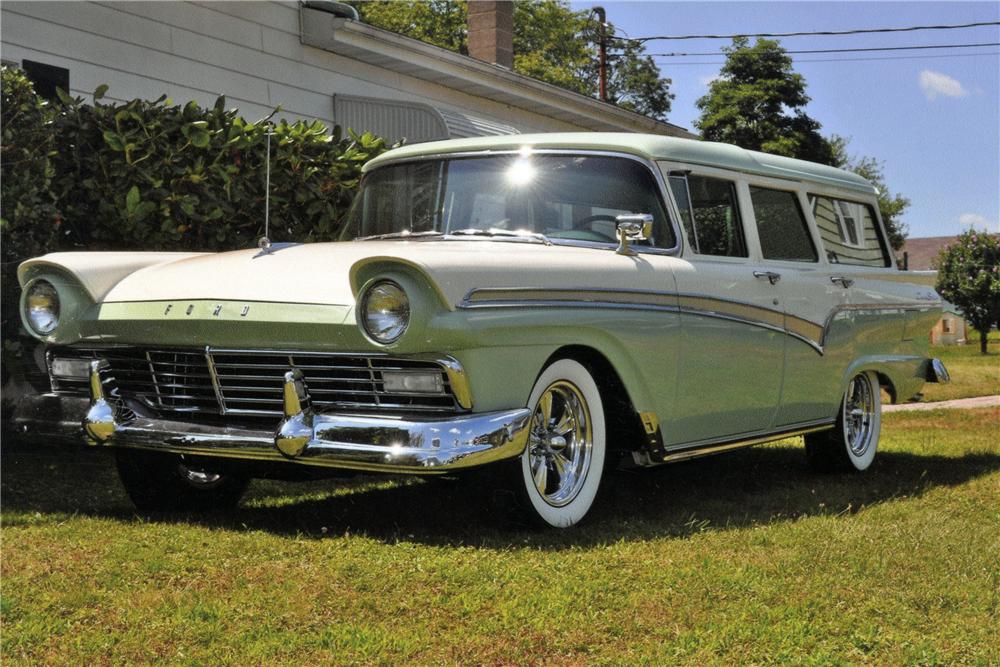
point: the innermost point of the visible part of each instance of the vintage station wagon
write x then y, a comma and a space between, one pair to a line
550, 305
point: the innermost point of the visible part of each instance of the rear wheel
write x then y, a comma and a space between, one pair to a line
563, 464
852, 443
156, 481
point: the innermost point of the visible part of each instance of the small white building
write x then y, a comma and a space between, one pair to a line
310, 58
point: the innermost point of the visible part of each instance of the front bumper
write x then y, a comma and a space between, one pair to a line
377, 443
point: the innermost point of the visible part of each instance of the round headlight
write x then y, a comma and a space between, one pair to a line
41, 307
385, 311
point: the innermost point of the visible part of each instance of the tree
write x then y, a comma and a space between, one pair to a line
552, 43
758, 103
891, 206
969, 277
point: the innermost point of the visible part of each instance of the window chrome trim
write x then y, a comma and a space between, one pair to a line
651, 165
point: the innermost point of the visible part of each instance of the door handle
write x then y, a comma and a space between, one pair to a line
844, 282
771, 276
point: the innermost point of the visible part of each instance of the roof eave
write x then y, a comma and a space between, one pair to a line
431, 63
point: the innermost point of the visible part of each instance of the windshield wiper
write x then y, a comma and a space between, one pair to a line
406, 234
493, 231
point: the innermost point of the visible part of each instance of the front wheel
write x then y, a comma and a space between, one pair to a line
157, 481
852, 443
563, 463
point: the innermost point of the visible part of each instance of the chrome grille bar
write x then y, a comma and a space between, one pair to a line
249, 382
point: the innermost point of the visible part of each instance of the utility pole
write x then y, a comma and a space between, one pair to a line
602, 52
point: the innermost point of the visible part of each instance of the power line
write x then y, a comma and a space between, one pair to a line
857, 31
854, 50
847, 60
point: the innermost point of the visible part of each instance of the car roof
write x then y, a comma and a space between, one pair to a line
648, 146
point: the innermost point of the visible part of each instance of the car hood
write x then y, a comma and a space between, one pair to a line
322, 273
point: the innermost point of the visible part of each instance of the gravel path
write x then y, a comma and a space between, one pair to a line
977, 402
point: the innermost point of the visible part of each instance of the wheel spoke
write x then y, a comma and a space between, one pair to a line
545, 408
565, 424
540, 473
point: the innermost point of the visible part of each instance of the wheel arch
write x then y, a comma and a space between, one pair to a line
625, 431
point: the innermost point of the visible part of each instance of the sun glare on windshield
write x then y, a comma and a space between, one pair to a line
520, 172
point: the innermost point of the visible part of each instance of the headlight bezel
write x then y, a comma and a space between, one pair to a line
364, 306
28, 311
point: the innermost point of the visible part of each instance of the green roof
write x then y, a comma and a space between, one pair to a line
650, 146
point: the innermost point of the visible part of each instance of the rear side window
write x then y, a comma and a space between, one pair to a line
781, 226
710, 215
849, 232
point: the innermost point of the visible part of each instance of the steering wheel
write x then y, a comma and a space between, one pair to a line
583, 224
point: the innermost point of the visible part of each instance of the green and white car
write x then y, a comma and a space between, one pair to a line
551, 305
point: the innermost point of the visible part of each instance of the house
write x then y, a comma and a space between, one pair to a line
919, 256
951, 329
314, 59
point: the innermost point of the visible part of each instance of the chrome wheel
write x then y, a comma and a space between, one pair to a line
859, 414
560, 444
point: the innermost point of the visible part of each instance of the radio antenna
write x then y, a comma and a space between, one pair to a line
264, 243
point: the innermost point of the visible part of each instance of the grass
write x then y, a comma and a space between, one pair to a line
972, 373
743, 558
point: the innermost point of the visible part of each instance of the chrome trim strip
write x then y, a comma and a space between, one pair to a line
213, 376
601, 297
649, 164
808, 332
718, 445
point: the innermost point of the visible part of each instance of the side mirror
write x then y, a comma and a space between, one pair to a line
633, 227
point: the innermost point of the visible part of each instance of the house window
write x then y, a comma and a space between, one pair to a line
46, 78
947, 326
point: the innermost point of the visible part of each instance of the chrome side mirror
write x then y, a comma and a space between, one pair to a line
633, 227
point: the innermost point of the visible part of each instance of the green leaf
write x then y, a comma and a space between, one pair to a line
113, 141
200, 138
101, 90
132, 199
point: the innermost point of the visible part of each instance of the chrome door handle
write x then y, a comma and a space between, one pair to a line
771, 276
844, 282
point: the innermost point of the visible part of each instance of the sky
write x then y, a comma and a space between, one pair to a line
932, 117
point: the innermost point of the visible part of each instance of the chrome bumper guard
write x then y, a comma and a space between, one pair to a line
380, 443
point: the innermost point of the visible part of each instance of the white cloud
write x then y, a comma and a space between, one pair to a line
976, 221
935, 84
707, 80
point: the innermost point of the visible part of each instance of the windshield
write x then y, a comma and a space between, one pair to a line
562, 197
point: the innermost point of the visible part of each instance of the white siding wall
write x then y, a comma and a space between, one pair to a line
248, 51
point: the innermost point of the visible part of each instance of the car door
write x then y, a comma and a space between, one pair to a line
732, 345
847, 293
790, 250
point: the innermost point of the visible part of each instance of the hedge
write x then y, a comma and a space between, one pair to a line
152, 175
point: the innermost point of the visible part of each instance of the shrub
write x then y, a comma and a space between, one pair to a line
152, 175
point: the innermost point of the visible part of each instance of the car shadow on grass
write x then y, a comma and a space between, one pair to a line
756, 486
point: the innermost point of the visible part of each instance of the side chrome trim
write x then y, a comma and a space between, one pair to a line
719, 445
649, 164
695, 304
808, 332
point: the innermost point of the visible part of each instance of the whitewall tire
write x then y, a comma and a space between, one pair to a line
563, 464
852, 443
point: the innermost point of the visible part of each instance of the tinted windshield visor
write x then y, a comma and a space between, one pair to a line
572, 198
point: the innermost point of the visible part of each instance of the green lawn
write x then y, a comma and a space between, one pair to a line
972, 373
743, 558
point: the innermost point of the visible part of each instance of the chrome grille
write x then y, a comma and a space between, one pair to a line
249, 382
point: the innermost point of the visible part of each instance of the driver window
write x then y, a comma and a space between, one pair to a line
710, 215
